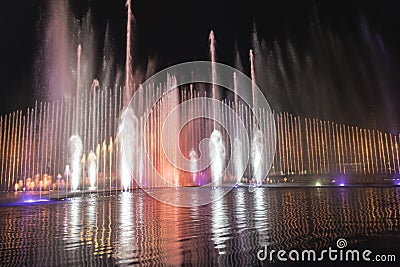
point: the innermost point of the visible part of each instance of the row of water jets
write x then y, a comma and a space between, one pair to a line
36, 146
79, 142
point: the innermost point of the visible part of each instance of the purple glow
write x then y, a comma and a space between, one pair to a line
340, 180
35, 200
396, 179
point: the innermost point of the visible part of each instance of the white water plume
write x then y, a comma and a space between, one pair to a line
127, 134
257, 156
217, 157
238, 160
193, 164
92, 169
75, 155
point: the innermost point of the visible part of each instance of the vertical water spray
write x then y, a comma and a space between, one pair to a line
3, 155
92, 169
215, 93
127, 136
397, 154
193, 164
257, 156
257, 140
83, 162
54, 58
128, 59
104, 154
217, 148
307, 146
238, 161
217, 156
236, 96
97, 164
253, 79
128, 126
110, 154
75, 154
78, 69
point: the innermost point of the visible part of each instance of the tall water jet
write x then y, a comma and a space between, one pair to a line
75, 154
217, 156
139, 164
214, 89
127, 137
236, 96
78, 84
257, 140
257, 156
54, 60
215, 93
216, 145
128, 59
78, 69
110, 155
193, 164
238, 160
253, 79
107, 75
92, 169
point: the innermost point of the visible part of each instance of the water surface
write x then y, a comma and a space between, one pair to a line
129, 228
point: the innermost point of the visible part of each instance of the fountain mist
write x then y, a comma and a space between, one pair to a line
193, 164
75, 152
238, 160
127, 136
257, 156
217, 156
92, 169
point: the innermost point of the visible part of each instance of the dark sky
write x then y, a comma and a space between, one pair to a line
177, 31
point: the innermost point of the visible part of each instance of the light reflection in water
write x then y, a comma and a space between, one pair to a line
219, 222
132, 228
74, 229
260, 216
126, 242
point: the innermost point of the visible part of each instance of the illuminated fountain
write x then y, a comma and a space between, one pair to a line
217, 156
216, 145
92, 169
75, 151
238, 160
257, 156
305, 146
127, 137
193, 164
257, 144
84, 131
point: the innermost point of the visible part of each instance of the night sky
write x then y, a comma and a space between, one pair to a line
354, 82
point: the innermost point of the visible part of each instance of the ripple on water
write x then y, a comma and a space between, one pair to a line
133, 228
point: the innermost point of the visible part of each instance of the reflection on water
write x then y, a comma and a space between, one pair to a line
127, 244
220, 223
131, 227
